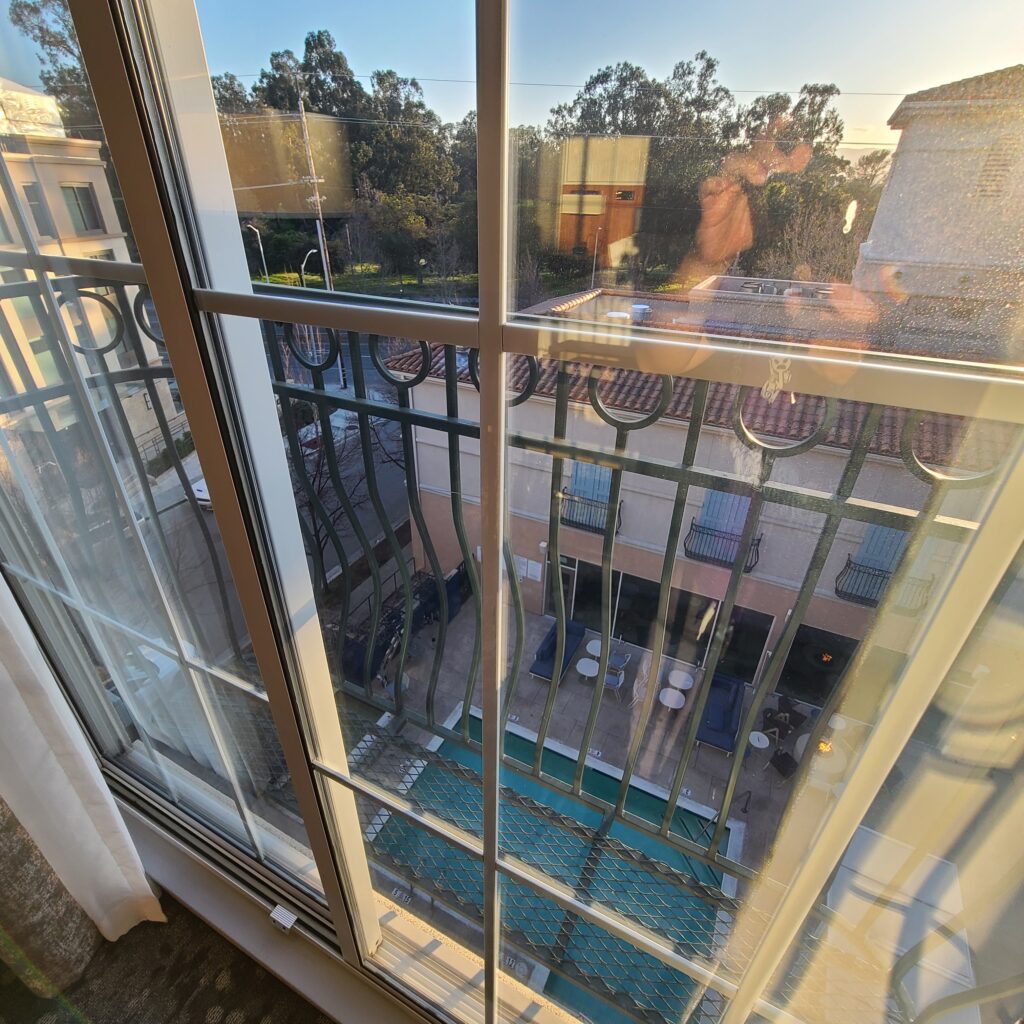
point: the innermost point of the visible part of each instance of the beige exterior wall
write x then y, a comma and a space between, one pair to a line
788, 534
53, 161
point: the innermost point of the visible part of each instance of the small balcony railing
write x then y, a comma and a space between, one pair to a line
864, 584
719, 547
589, 514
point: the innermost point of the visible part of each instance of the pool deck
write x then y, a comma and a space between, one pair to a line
761, 795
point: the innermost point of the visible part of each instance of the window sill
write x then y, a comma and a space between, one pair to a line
299, 960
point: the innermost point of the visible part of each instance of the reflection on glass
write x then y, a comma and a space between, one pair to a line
349, 181
666, 192
922, 907
106, 534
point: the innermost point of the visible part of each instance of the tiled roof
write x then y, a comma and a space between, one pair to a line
1003, 86
939, 439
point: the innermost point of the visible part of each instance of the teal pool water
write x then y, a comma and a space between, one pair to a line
582, 956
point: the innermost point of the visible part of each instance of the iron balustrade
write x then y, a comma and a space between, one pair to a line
362, 539
719, 547
866, 584
589, 514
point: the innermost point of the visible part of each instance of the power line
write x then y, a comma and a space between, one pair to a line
577, 85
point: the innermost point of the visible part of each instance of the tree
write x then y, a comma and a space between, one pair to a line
48, 24
231, 95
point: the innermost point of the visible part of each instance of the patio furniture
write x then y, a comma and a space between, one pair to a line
544, 660
680, 679
616, 659
721, 719
758, 740
794, 717
672, 698
594, 647
775, 725
784, 763
616, 682
588, 668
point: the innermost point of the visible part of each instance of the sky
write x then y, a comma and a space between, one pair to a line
877, 47
876, 51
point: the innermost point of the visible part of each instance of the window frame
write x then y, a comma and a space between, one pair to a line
71, 190
129, 110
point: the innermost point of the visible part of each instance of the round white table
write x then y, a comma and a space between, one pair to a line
588, 668
758, 740
680, 679
594, 647
837, 723
671, 698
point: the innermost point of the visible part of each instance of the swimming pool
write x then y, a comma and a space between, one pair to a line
621, 867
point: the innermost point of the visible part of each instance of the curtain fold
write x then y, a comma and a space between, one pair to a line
51, 781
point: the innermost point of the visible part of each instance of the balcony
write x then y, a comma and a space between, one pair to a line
864, 584
589, 514
718, 547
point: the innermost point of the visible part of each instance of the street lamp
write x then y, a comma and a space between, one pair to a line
302, 269
263, 259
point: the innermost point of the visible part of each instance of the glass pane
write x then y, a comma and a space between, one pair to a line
737, 175
380, 437
106, 528
921, 910
348, 148
431, 894
590, 974
744, 617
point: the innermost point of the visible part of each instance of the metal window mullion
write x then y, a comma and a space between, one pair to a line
493, 236
437, 328
106, 42
940, 638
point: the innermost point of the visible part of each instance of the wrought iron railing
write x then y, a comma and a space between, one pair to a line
865, 584
862, 584
719, 547
589, 514
340, 432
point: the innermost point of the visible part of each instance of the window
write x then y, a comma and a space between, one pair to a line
40, 212
514, 760
81, 203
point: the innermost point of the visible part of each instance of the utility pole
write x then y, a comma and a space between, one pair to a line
314, 181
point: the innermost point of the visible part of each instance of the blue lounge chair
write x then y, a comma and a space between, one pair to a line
722, 713
544, 660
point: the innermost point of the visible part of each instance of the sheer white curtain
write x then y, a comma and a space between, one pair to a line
50, 780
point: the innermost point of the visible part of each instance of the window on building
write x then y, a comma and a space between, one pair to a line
39, 210
625, 194
723, 511
881, 548
81, 203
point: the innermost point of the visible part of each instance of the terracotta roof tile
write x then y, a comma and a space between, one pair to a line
939, 439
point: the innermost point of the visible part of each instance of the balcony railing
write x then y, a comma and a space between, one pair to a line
719, 547
864, 584
588, 514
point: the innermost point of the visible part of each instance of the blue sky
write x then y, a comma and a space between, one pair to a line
878, 47
873, 46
